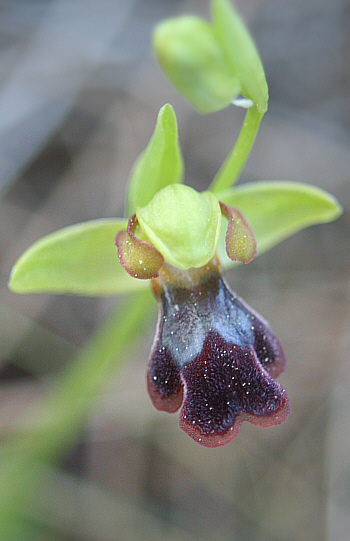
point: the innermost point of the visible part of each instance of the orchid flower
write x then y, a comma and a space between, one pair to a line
213, 356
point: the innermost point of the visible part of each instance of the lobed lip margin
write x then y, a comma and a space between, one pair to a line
216, 359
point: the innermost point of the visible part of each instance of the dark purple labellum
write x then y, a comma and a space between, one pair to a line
213, 348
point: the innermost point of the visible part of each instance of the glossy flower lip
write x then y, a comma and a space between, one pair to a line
217, 358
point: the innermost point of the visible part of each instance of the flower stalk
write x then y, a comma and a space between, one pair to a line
232, 167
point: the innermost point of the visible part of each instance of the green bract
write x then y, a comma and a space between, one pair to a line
183, 225
211, 64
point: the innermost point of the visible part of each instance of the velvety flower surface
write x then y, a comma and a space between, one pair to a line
214, 356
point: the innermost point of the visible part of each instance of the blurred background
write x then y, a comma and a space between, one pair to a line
79, 95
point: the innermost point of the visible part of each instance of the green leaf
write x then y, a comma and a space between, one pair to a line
79, 259
183, 225
276, 210
159, 165
240, 52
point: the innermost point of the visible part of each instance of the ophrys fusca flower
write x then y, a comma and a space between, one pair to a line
213, 356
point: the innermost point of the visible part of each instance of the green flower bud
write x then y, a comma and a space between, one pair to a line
194, 61
212, 64
183, 225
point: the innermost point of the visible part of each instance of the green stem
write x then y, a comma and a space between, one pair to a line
65, 408
232, 167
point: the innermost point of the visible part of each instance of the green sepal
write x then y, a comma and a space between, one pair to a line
183, 225
241, 53
80, 259
160, 164
275, 210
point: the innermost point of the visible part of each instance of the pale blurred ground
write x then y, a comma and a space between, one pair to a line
79, 94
